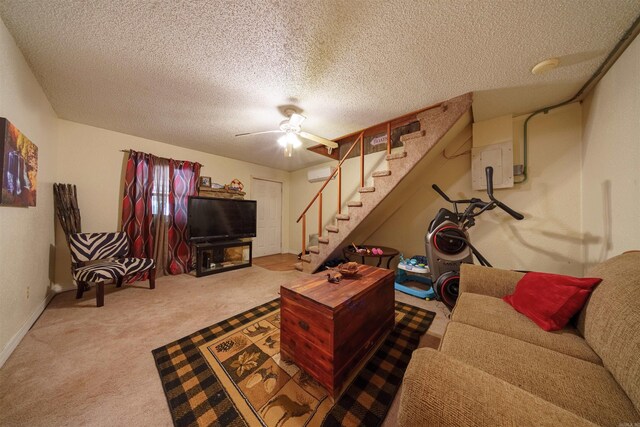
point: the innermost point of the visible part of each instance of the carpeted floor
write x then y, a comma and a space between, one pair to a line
82, 365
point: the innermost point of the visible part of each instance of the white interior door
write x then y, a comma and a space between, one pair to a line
268, 239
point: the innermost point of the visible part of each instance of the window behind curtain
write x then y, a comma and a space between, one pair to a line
160, 189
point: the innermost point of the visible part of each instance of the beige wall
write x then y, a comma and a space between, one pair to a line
90, 158
26, 234
611, 161
548, 239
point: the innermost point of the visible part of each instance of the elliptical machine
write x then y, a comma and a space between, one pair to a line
447, 241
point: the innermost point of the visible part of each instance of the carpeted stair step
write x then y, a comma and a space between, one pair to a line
413, 135
314, 249
380, 173
396, 156
323, 239
306, 258
343, 217
354, 204
366, 189
332, 228
298, 266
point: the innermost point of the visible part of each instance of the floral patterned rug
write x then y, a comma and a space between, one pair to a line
230, 374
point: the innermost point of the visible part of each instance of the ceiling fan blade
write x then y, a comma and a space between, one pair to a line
259, 133
318, 139
296, 120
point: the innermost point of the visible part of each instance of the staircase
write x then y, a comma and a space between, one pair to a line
435, 123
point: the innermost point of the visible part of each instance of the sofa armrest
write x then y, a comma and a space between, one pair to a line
440, 390
488, 281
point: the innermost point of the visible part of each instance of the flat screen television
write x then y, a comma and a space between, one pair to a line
217, 219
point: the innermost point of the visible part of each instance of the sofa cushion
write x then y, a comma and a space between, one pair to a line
439, 390
493, 314
582, 387
610, 320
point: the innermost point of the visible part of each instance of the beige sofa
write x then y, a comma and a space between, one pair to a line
496, 367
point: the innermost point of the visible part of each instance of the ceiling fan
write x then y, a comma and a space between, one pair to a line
292, 129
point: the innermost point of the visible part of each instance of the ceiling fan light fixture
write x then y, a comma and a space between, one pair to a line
282, 141
296, 141
293, 134
295, 120
289, 138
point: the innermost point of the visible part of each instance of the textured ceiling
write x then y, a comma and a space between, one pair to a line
194, 73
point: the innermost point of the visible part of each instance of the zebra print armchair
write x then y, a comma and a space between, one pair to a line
103, 257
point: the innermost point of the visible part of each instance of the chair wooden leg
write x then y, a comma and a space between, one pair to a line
80, 290
119, 282
100, 294
152, 278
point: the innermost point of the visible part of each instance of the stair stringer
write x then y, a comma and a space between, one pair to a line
407, 188
438, 124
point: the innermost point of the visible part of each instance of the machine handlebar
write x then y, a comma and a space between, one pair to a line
477, 203
441, 193
489, 172
507, 209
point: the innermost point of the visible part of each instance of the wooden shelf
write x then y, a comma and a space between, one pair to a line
221, 193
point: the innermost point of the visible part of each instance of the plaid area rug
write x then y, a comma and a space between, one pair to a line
230, 374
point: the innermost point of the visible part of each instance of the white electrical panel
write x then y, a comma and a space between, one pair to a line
500, 157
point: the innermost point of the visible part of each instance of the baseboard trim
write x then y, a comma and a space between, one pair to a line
13, 342
57, 288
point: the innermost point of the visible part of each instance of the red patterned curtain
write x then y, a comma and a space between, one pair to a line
137, 219
143, 210
183, 183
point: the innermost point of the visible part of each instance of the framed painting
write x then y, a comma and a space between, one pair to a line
18, 167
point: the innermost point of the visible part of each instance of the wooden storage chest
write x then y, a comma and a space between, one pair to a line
327, 329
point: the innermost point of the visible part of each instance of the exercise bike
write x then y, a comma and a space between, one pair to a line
447, 241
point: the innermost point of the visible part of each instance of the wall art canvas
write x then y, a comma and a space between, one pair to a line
18, 167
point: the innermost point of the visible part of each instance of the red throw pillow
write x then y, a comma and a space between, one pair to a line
550, 300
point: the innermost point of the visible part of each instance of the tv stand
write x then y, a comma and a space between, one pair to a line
216, 257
